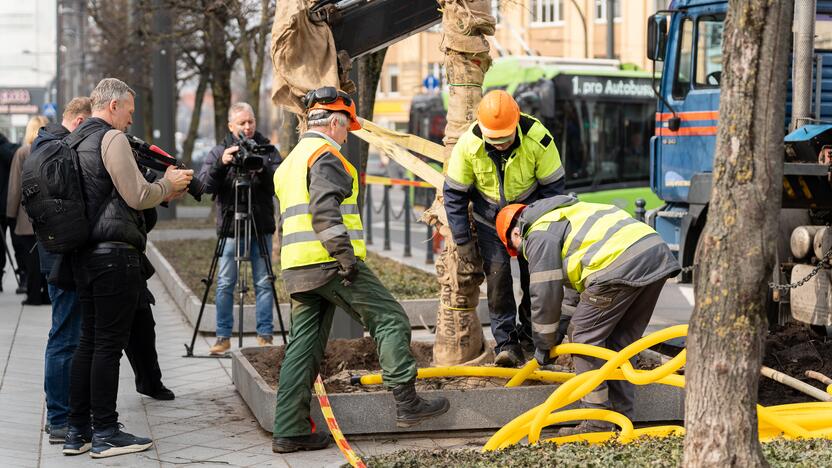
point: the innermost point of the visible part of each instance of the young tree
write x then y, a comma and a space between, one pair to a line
737, 252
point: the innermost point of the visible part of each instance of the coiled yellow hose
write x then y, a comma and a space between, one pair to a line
798, 420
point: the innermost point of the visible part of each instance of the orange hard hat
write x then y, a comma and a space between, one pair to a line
505, 218
498, 115
331, 99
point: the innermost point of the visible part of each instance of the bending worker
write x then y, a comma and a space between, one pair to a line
504, 157
619, 266
322, 254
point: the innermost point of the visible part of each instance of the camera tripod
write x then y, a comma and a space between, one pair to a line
244, 227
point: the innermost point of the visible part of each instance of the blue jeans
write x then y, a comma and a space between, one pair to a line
63, 339
227, 278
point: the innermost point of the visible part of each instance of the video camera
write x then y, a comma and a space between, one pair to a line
152, 157
252, 156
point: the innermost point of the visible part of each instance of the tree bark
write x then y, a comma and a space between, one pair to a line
737, 251
287, 136
193, 126
369, 74
219, 66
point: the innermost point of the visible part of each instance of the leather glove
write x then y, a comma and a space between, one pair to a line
348, 273
467, 250
542, 357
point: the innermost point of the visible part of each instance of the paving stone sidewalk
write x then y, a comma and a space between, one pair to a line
208, 424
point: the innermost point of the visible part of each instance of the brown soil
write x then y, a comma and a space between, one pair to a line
793, 349
341, 359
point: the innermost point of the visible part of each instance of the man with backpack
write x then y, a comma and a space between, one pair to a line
108, 266
66, 315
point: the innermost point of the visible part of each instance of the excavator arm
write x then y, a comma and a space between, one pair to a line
360, 27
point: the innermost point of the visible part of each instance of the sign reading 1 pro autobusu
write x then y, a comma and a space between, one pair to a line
603, 87
21, 100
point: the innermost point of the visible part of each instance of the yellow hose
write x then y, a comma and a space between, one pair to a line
798, 420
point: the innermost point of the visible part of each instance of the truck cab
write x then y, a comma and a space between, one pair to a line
685, 41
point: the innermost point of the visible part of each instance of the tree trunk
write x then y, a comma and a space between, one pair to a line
219, 67
737, 252
287, 136
369, 74
193, 127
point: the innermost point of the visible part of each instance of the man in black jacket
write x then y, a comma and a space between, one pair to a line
66, 314
109, 271
218, 172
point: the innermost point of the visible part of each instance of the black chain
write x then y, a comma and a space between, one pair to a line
821, 264
826, 260
397, 216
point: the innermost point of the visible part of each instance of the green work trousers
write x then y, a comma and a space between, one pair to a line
366, 300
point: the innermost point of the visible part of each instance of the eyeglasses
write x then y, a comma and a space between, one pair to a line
325, 95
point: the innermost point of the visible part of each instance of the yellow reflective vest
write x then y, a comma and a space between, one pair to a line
300, 245
535, 161
599, 235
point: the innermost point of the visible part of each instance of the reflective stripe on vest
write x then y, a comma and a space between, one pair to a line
528, 166
599, 235
300, 245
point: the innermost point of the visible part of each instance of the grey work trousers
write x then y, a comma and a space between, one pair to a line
612, 316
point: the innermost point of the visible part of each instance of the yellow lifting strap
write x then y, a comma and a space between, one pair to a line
396, 145
414, 143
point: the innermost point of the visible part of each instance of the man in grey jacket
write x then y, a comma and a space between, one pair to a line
322, 255
617, 264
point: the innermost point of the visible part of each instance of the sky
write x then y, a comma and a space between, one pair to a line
27, 42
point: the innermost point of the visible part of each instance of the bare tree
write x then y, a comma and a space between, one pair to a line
725, 342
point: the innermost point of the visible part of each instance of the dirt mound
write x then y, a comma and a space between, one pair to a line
356, 355
793, 349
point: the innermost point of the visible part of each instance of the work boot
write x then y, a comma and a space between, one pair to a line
221, 346
509, 357
586, 427
264, 340
313, 441
411, 409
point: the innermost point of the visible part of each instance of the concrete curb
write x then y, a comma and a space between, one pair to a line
420, 311
475, 409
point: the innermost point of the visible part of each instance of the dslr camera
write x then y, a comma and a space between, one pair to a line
252, 156
152, 157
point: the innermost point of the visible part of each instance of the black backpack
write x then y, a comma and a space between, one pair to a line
52, 193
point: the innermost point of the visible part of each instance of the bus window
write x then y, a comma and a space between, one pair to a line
681, 83
604, 143
708, 52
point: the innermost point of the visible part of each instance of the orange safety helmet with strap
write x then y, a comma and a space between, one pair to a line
505, 218
498, 115
331, 99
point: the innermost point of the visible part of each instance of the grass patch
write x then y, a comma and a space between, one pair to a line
192, 258
646, 452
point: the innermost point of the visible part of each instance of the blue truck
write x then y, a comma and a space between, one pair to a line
686, 42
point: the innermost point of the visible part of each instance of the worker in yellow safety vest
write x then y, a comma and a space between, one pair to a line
322, 255
504, 157
617, 264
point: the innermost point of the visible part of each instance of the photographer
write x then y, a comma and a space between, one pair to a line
222, 165
110, 272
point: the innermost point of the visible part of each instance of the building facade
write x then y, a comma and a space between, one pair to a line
554, 28
27, 62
